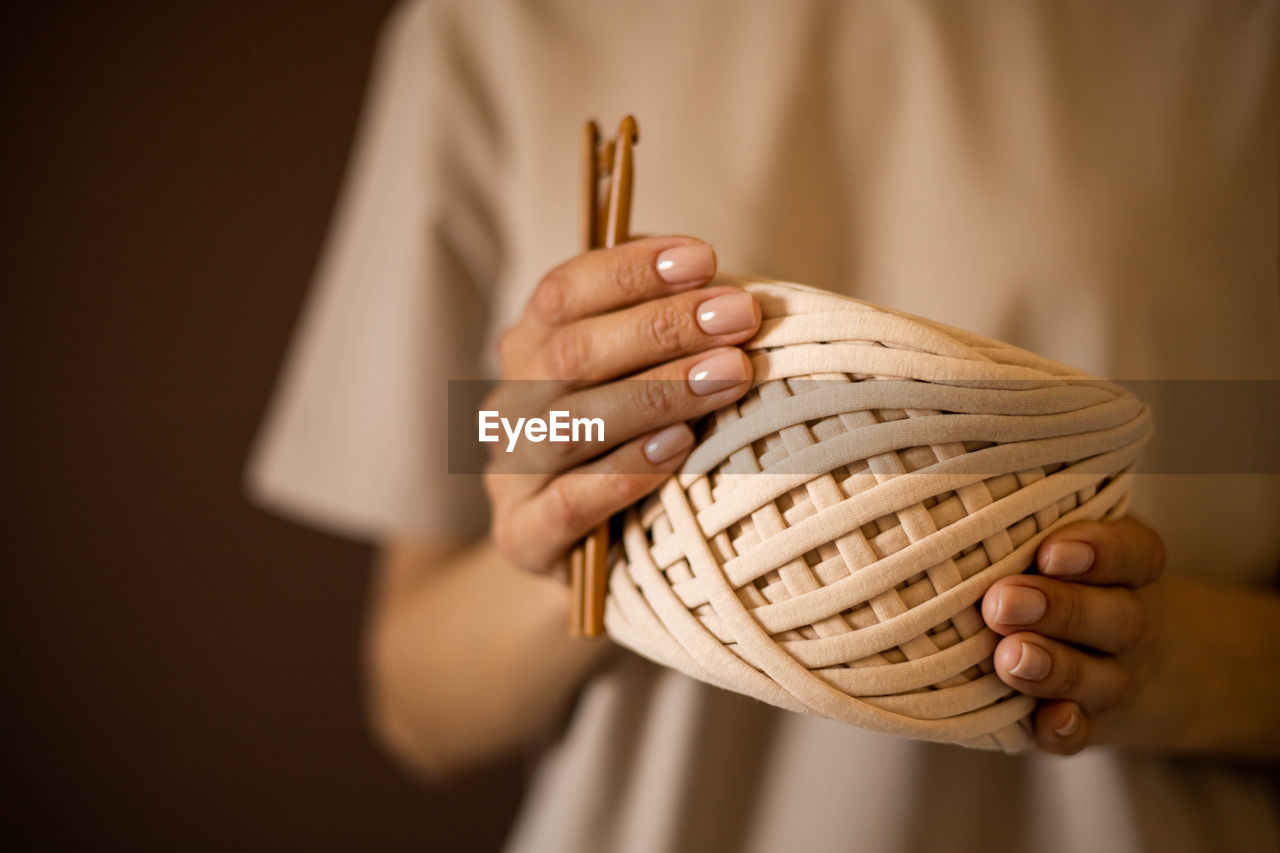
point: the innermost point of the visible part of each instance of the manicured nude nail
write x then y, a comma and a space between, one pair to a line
1033, 663
1020, 605
669, 443
1069, 725
721, 371
724, 315
688, 264
1067, 558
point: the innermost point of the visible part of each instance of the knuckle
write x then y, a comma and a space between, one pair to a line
667, 329
631, 278
620, 487
1131, 551
1070, 674
557, 456
565, 355
657, 398
553, 457
550, 298
1071, 610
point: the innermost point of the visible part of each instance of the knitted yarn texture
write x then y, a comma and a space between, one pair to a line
826, 545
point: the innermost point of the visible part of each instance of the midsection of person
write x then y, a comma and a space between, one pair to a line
1081, 208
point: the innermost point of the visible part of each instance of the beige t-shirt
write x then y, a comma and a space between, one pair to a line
1097, 182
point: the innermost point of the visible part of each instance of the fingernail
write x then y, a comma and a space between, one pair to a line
1020, 605
1069, 725
1068, 558
721, 371
668, 443
693, 262
724, 315
1033, 663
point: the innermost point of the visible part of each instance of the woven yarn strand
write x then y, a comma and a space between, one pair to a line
826, 545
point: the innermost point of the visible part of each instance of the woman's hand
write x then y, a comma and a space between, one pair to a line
1084, 635
637, 311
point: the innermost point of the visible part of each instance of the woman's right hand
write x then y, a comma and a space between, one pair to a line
628, 335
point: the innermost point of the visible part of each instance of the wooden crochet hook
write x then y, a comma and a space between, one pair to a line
588, 562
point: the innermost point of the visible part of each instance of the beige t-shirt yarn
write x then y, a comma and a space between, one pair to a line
826, 544
1093, 182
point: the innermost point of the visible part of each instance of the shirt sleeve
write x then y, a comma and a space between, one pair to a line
355, 439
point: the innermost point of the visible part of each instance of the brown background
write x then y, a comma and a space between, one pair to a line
179, 669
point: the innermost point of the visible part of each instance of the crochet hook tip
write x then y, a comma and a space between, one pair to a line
628, 127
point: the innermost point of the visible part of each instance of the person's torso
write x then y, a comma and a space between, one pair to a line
1096, 182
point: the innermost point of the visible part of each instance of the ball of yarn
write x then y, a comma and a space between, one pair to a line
826, 545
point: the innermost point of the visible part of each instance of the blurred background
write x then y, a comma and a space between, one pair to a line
180, 670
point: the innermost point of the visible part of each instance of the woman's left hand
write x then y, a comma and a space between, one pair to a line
1082, 636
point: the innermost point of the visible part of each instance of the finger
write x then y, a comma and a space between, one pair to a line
1109, 619
1048, 669
608, 279
1061, 727
537, 532
1125, 552
622, 342
680, 390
